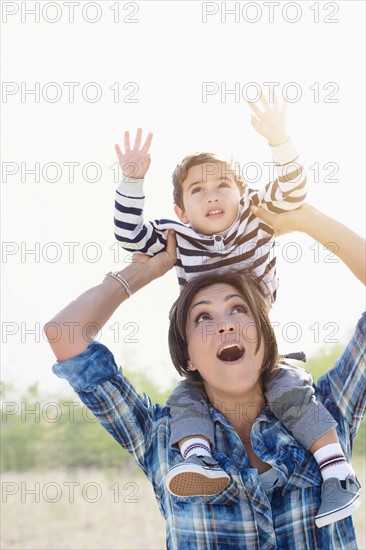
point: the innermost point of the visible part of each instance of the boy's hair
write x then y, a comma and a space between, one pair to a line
181, 171
250, 289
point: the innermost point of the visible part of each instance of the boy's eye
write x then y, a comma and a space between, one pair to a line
196, 189
224, 184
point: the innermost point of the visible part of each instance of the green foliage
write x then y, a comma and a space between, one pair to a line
324, 360
47, 434
41, 434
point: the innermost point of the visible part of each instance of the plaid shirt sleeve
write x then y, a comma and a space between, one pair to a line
112, 399
345, 383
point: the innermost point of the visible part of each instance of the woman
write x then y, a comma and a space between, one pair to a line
249, 439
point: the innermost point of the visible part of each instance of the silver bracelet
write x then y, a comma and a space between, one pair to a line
121, 280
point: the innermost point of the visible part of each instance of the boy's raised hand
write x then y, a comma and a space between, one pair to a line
270, 122
135, 162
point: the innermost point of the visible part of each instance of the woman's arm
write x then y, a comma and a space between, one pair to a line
326, 230
71, 330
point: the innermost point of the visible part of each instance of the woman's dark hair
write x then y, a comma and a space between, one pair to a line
254, 297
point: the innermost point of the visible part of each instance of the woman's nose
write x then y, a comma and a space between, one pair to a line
226, 327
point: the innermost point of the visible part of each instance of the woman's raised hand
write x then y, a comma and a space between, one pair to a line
285, 222
156, 266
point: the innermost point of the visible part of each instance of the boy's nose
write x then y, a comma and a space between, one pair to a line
213, 197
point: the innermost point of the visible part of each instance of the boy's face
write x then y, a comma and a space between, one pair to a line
210, 198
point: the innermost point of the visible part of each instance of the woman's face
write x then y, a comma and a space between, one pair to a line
222, 341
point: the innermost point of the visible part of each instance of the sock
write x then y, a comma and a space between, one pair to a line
332, 462
195, 446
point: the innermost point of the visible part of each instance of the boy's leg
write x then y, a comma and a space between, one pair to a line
192, 429
189, 414
290, 395
329, 455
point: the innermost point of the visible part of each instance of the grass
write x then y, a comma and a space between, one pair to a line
105, 511
95, 517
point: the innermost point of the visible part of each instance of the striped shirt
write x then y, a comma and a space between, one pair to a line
248, 243
246, 515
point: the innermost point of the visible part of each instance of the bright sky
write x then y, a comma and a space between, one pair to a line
167, 67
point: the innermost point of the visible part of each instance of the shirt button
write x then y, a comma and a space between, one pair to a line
278, 461
218, 238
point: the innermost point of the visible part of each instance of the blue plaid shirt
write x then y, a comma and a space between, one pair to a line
244, 515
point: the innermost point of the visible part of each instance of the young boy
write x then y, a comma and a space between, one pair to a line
219, 231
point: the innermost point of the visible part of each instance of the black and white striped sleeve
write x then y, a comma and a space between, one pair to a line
129, 226
288, 190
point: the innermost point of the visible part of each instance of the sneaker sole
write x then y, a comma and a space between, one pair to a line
338, 514
190, 483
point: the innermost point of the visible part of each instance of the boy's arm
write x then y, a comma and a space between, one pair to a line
129, 227
288, 190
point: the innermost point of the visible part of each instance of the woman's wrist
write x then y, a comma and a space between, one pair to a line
316, 224
143, 269
137, 275
305, 219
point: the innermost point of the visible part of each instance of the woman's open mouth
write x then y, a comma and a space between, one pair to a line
230, 352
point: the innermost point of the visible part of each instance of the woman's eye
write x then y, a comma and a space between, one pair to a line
240, 308
202, 317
